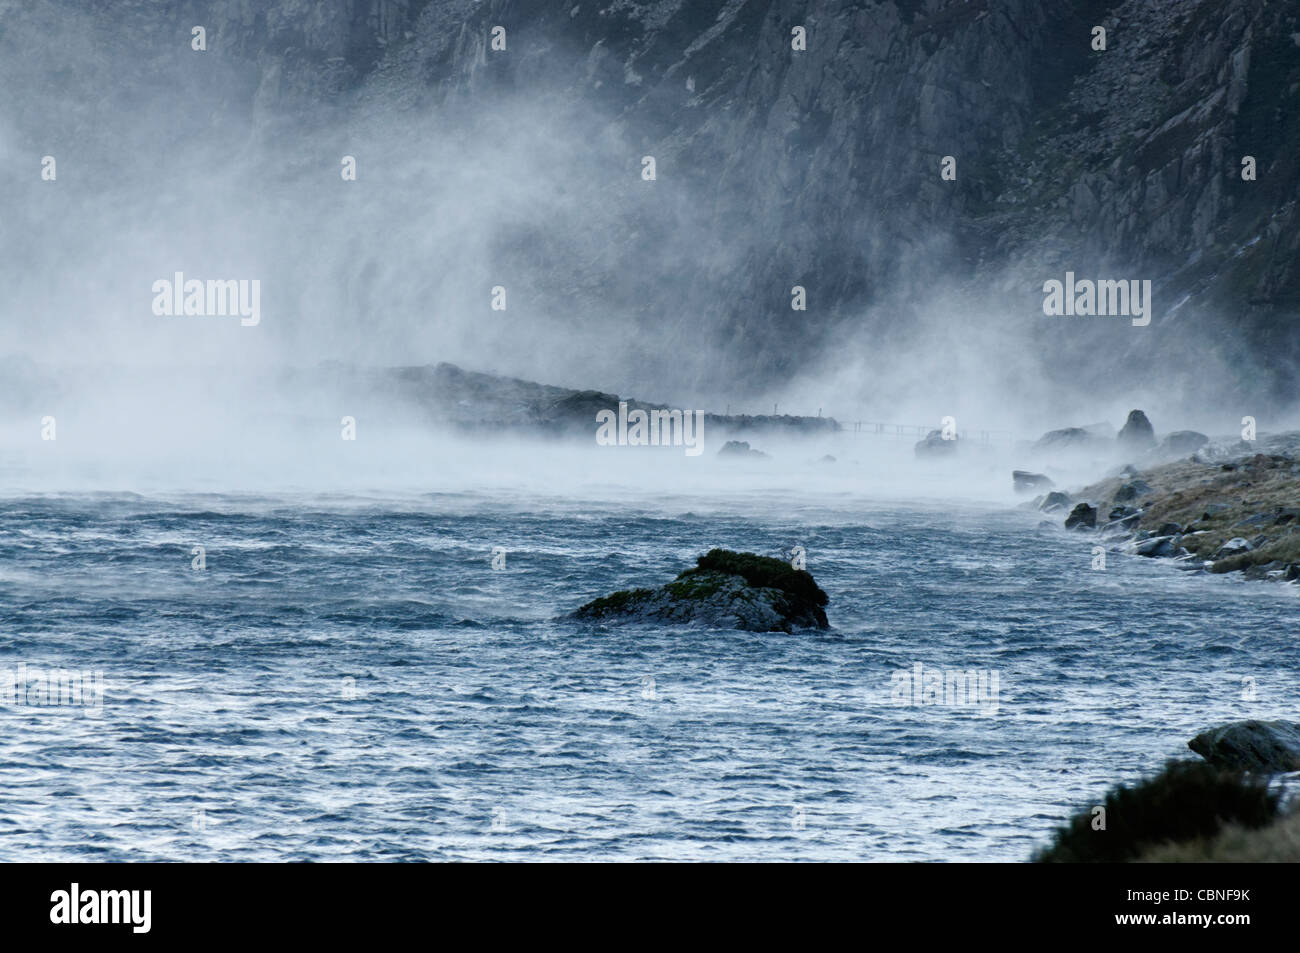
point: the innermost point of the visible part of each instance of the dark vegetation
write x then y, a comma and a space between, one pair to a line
1186, 801
762, 571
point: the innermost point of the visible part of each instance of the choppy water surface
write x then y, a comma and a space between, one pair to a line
350, 679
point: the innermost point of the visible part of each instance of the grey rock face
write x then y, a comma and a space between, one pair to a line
1126, 159
1266, 746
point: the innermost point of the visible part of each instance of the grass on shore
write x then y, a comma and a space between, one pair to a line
1278, 843
1255, 497
1187, 803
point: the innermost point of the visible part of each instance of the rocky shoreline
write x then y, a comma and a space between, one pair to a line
1228, 506
1225, 808
1208, 506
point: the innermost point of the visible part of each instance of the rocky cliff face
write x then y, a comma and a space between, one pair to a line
822, 165
818, 167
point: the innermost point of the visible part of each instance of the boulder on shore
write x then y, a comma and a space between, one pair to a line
1137, 434
1056, 500
1182, 443
726, 590
1156, 546
1233, 547
1267, 746
1072, 439
1132, 490
1082, 515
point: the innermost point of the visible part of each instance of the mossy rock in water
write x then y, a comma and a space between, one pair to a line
724, 589
616, 601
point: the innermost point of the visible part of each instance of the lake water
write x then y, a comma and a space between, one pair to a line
349, 678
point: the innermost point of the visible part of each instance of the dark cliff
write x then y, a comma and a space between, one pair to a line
778, 167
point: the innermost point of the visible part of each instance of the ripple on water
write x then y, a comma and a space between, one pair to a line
352, 680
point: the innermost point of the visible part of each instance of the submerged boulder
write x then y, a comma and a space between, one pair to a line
1267, 746
727, 590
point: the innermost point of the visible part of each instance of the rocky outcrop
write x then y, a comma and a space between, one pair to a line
726, 590
1137, 435
1022, 481
1071, 440
450, 396
1226, 514
1261, 746
740, 450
